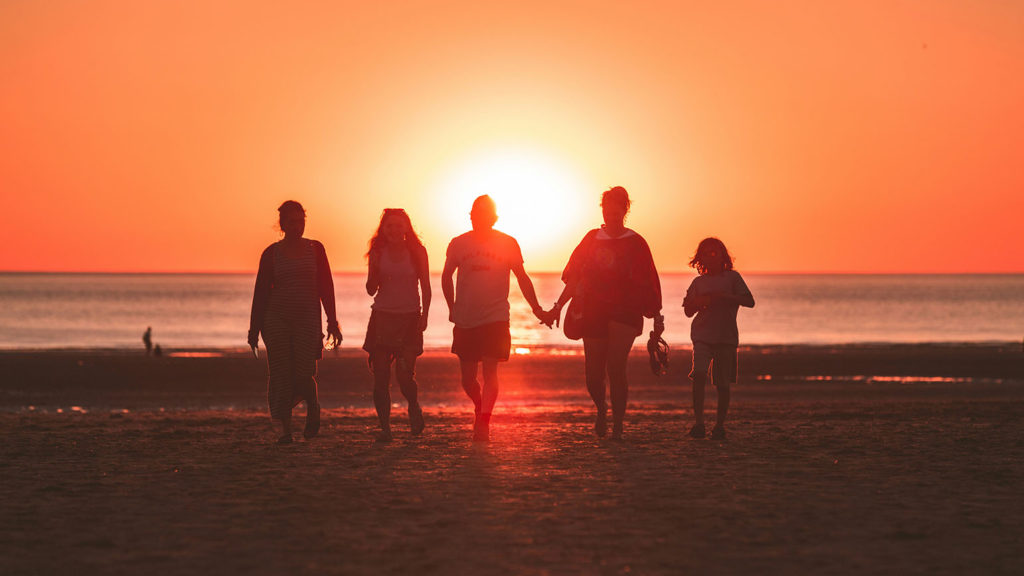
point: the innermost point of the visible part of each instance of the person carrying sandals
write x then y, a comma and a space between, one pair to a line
612, 279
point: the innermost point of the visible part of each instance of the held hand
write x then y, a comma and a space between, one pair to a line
333, 337
423, 322
545, 317
659, 326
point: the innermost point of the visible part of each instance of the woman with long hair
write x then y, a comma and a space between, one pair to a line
293, 281
398, 277
612, 273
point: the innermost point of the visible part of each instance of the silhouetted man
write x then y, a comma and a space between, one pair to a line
478, 305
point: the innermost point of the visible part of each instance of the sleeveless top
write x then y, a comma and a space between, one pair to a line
398, 292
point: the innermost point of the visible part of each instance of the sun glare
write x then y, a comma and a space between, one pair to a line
539, 199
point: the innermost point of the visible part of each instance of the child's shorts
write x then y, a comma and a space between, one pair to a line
720, 358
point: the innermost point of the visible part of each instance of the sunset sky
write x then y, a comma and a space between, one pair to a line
809, 136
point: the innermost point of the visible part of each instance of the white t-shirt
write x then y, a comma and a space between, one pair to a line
483, 261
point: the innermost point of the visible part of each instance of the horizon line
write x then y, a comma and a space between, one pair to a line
544, 272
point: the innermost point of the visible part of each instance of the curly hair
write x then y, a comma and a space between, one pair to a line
707, 245
412, 241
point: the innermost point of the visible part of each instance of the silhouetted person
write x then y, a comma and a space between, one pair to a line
147, 339
397, 275
158, 351
294, 279
612, 272
478, 305
714, 297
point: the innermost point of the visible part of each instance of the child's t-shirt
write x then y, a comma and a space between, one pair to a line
716, 324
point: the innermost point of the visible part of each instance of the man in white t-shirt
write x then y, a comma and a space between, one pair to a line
478, 305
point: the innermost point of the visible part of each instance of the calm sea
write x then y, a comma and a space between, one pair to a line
212, 310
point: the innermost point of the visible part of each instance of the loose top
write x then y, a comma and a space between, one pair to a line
278, 281
483, 261
616, 274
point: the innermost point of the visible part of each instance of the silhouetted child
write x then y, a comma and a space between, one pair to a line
715, 296
147, 339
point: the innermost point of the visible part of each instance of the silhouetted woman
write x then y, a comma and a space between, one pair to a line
612, 272
398, 274
294, 279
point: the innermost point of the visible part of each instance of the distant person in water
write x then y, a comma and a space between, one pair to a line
612, 273
147, 339
478, 305
712, 300
398, 277
293, 281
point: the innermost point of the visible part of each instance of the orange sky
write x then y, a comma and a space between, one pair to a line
809, 136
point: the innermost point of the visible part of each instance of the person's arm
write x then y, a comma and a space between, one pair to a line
571, 276
694, 302
373, 272
741, 294
261, 295
325, 287
555, 314
425, 292
526, 287
448, 286
648, 272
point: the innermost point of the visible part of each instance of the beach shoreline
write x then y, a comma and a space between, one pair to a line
847, 460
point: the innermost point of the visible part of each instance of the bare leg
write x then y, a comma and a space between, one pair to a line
382, 392
488, 398
469, 383
595, 353
699, 381
724, 395
620, 341
405, 373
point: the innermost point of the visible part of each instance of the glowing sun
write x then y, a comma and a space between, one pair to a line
540, 199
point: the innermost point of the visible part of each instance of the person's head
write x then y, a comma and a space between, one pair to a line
291, 218
484, 213
615, 205
395, 227
711, 256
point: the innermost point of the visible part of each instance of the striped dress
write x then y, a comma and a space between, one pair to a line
292, 330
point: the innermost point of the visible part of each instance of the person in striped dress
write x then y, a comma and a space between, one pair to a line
293, 281
397, 277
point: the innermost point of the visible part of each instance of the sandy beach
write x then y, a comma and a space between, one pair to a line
849, 460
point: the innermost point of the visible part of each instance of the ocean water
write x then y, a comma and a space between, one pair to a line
212, 310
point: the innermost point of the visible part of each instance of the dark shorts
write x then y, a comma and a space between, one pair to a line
596, 319
490, 341
397, 335
719, 358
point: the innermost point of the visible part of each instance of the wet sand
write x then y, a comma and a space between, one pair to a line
853, 460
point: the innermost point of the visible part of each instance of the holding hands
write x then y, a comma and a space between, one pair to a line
547, 317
